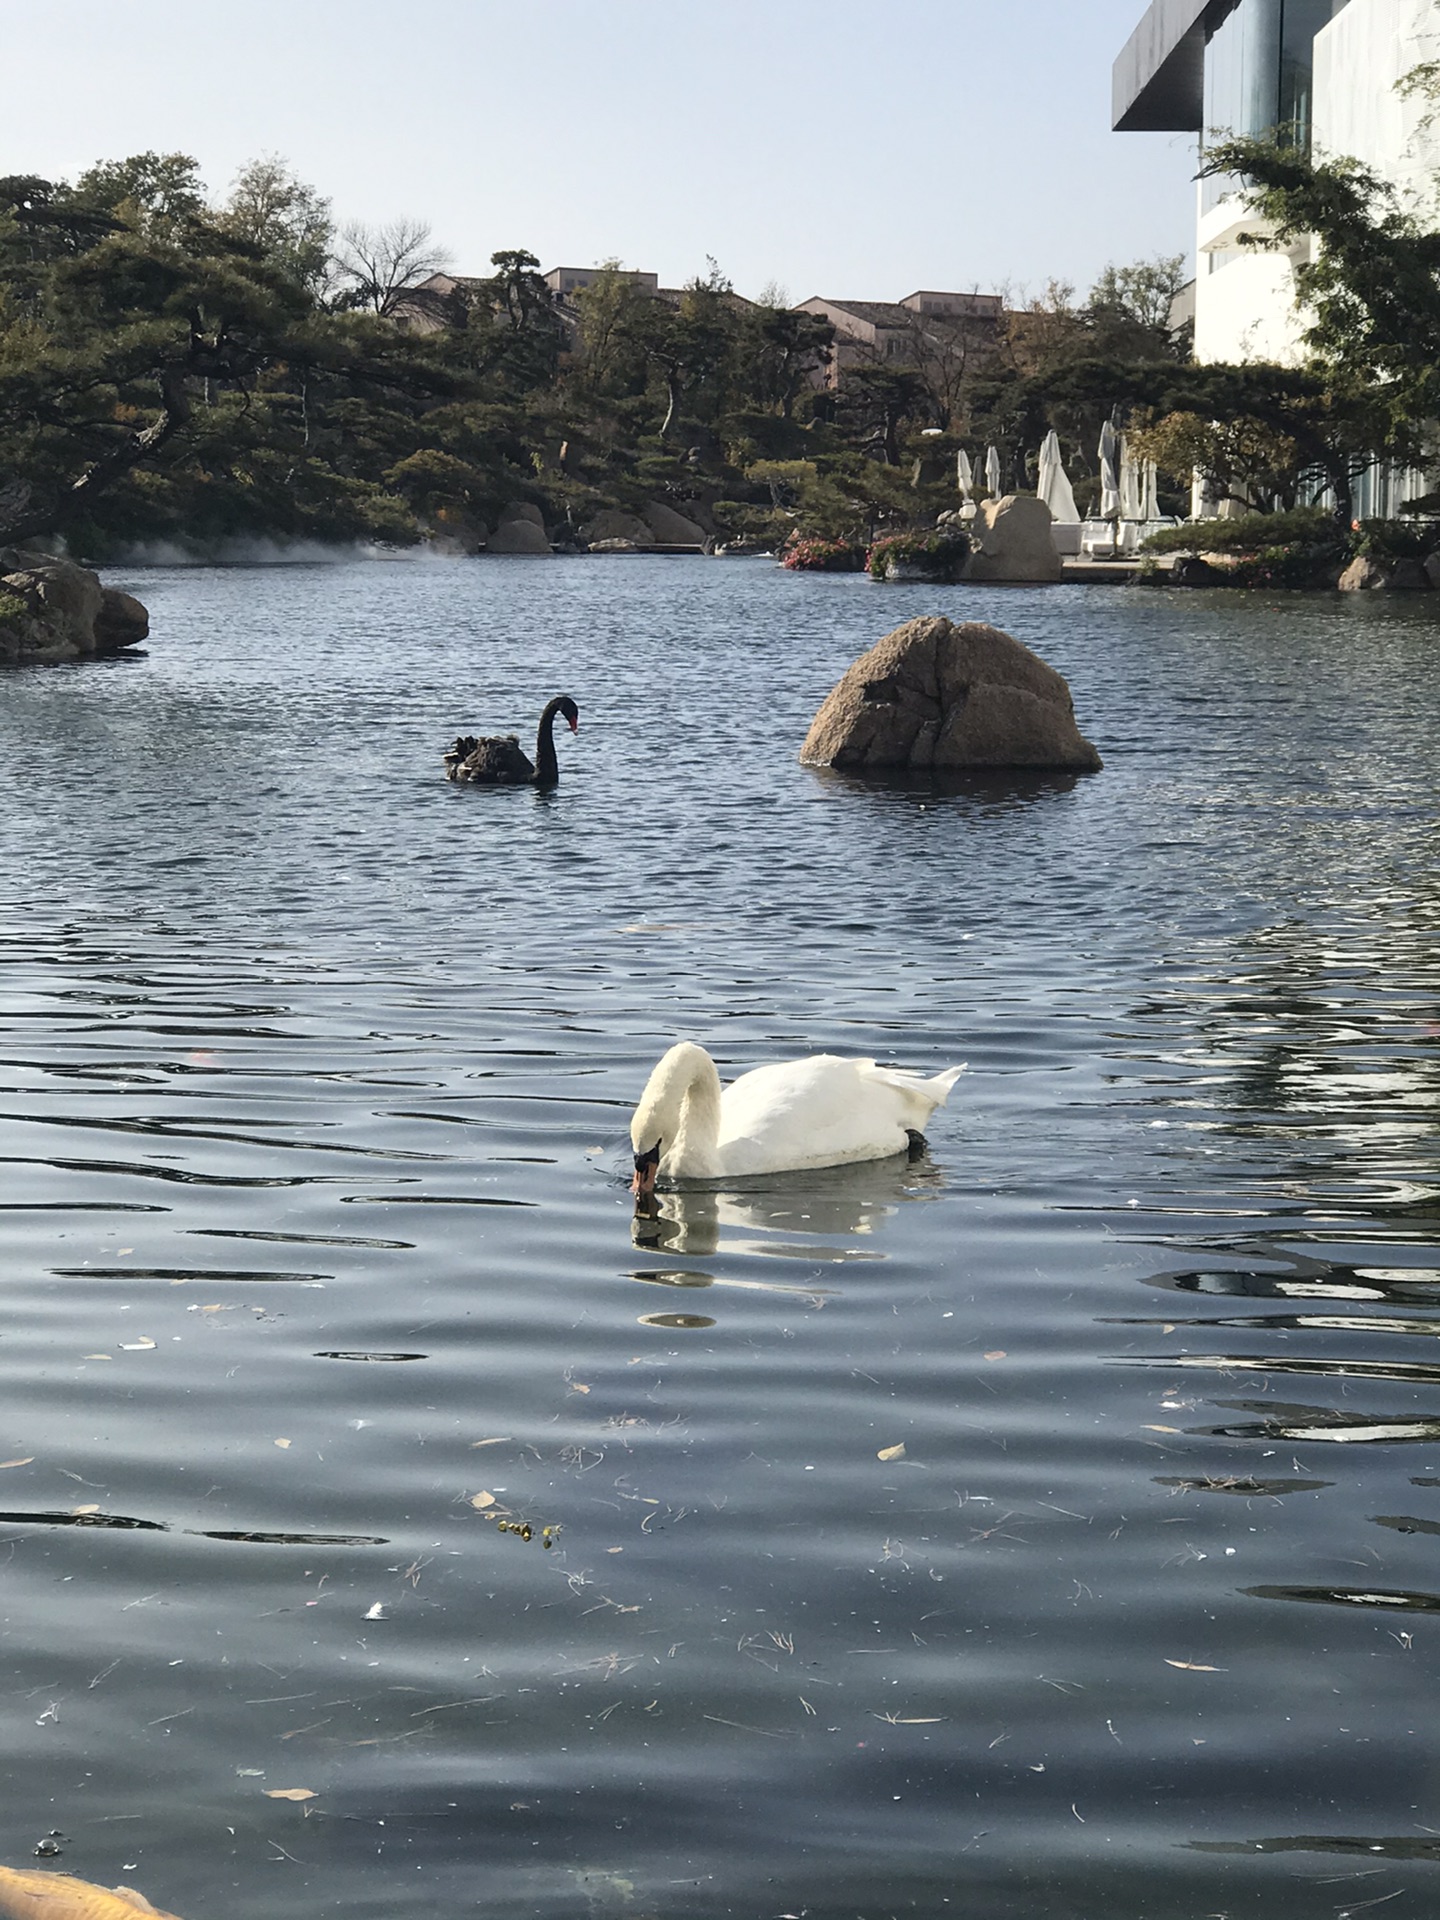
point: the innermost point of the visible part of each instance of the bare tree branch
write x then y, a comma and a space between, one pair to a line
382, 264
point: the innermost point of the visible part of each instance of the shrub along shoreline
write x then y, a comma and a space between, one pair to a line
1306, 549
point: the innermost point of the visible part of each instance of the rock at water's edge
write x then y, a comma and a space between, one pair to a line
1013, 542
123, 621
518, 536
932, 696
523, 510
64, 612
672, 529
611, 524
1363, 575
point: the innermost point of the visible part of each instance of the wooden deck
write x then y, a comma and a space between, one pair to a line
1099, 572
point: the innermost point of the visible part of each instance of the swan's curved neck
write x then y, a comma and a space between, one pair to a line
680, 1108
547, 767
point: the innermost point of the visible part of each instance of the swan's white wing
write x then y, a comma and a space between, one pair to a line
819, 1112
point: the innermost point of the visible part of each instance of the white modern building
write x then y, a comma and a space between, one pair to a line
1327, 73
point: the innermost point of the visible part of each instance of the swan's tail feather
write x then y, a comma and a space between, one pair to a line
928, 1094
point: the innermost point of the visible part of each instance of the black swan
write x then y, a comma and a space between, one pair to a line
498, 760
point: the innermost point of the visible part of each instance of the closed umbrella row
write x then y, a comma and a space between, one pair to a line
1129, 504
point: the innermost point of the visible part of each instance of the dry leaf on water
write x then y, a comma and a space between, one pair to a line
892, 1453
142, 1345
1195, 1666
16, 1463
282, 1443
996, 1353
482, 1500
498, 1440
289, 1793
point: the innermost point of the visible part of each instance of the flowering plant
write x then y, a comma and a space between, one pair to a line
812, 553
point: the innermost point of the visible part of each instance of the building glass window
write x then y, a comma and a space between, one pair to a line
1259, 67
1302, 20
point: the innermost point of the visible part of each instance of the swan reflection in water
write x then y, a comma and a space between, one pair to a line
807, 1208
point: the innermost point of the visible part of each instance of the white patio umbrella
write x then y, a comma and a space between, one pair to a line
1109, 475
1152, 491
1054, 486
964, 473
992, 471
1131, 505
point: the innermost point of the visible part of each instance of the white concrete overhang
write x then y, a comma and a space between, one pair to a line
1222, 227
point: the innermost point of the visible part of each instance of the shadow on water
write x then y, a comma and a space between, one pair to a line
987, 789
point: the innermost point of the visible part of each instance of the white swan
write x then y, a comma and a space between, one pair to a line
819, 1112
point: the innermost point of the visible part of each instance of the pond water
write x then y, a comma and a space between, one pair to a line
319, 1265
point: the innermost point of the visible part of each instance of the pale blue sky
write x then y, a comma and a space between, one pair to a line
829, 146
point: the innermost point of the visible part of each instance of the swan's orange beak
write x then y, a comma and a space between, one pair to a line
575, 724
647, 1165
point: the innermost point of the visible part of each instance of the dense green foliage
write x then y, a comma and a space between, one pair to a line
1306, 547
177, 369
939, 553
1370, 289
173, 368
1372, 282
165, 368
1247, 531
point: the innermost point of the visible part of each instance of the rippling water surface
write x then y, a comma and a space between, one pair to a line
324, 1310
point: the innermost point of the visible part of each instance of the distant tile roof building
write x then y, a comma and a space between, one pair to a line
440, 300
906, 332
436, 302
563, 281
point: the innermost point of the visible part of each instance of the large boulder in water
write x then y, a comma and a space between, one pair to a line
932, 696
51, 609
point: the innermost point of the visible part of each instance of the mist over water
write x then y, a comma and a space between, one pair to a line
322, 1284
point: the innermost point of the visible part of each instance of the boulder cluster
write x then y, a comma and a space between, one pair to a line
52, 609
522, 529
